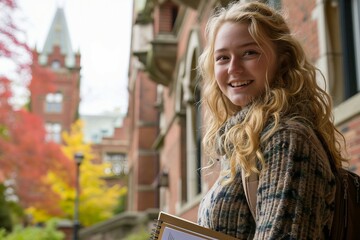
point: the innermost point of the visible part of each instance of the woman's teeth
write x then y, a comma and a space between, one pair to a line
239, 84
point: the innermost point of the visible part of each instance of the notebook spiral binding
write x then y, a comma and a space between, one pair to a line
156, 230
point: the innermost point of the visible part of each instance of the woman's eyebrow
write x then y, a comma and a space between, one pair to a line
252, 43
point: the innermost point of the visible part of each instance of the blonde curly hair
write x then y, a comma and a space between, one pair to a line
293, 92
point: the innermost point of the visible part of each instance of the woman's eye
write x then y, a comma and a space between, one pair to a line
250, 53
221, 58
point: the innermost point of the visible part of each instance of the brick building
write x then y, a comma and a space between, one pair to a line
166, 120
58, 108
109, 144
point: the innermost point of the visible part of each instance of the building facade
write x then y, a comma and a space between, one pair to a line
58, 106
165, 91
109, 143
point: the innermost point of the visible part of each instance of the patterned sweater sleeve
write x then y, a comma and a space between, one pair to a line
296, 188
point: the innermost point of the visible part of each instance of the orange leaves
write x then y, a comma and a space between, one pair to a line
25, 156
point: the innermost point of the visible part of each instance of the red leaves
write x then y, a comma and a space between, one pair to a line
25, 156
10, 3
15, 54
5, 95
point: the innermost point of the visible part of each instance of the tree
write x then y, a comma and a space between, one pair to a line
47, 232
42, 172
5, 219
29, 158
15, 54
97, 199
25, 155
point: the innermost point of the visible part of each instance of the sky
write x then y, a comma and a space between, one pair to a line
101, 31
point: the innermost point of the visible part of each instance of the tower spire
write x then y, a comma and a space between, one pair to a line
58, 35
61, 3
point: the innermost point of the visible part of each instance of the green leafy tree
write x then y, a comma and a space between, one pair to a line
48, 232
142, 234
122, 201
5, 218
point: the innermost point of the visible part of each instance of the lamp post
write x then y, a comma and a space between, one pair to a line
78, 160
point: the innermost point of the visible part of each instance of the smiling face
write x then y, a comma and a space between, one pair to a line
241, 66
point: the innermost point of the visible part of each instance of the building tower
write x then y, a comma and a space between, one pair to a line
59, 106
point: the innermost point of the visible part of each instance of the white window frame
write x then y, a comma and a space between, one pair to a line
53, 132
54, 102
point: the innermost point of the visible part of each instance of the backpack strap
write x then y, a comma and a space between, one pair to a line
250, 185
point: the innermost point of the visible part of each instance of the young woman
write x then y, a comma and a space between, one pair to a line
267, 115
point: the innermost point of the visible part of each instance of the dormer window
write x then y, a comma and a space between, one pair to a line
55, 64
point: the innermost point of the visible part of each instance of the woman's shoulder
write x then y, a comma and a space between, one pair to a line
297, 131
296, 125
288, 125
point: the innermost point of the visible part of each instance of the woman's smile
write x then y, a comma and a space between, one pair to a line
240, 84
242, 68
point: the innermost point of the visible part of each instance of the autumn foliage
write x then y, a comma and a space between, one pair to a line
27, 158
97, 199
42, 172
25, 155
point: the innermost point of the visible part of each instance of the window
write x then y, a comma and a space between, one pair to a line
193, 134
54, 102
350, 37
55, 64
356, 27
118, 164
53, 132
274, 3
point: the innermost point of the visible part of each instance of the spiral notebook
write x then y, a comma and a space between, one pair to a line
170, 227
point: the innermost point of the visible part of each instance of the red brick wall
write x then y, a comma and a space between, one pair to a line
302, 24
171, 162
351, 131
67, 82
173, 151
56, 55
187, 27
164, 17
306, 30
142, 122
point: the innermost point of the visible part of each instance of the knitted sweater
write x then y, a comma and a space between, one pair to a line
295, 194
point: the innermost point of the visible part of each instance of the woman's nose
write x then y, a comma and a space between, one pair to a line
235, 66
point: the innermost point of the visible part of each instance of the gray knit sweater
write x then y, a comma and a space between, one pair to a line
295, 195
